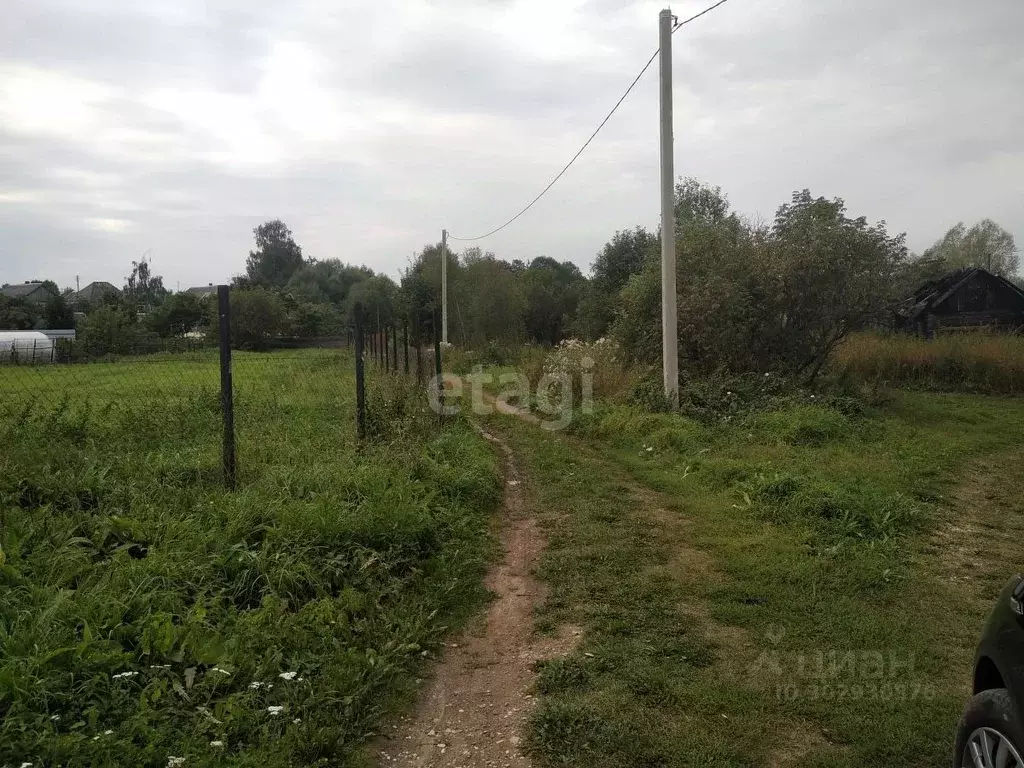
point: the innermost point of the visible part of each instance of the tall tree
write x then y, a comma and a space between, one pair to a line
622, 257
142, 287
277, 256
553, 292
985, 245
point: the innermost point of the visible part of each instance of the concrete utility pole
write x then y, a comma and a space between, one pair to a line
669, 332
444, 286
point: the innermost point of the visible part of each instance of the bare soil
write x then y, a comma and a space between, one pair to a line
473, 709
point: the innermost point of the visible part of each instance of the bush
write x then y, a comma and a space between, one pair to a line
256, 316
601, 360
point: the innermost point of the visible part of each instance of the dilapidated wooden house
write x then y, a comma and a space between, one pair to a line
966, 299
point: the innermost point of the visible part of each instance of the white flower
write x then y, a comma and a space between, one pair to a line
26, 765
650, 448
217, 743
297, 720
222, 671
275, 710
55, 717
812, 397
124, 674
107, 733
174, 762
288, 675
256, 685
159, 666
767, 375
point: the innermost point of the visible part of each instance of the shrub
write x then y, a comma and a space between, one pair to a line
601, 359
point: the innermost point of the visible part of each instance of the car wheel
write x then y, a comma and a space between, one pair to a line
991, 734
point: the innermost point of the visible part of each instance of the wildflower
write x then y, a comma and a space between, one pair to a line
107, 733
55, 717
650, 448
222, 671
275, 710
812, 397
288, 675
766, 375
124, 674
297, 720
256, 685
217, 743
175, 762
26, 765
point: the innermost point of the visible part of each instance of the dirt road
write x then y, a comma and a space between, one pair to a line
471, 713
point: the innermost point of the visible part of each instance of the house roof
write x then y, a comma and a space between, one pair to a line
95, 292
22, 290
936, 291
202, 290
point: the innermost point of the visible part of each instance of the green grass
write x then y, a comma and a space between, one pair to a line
766, 590
145, 612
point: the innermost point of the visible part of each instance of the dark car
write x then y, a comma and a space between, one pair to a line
991, 732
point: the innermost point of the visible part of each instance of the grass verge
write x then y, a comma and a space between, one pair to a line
146, 614
773, 591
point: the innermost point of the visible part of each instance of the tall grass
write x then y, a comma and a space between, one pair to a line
146, 613
963, 363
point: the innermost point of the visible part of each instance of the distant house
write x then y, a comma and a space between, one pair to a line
93, 293
967, 299
36, 293
203, 291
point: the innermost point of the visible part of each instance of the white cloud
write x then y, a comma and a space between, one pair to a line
367, 127
108, 225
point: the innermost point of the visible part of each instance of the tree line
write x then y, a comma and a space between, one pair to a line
752, 296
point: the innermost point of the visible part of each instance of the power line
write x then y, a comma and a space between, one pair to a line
696, 16
597, 130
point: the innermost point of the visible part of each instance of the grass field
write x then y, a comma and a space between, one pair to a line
147, 614
803, 587
985, 363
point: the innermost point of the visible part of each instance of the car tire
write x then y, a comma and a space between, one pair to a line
993, 709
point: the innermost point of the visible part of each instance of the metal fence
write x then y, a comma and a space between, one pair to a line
215, 409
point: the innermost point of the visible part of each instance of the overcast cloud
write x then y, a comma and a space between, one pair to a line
176, 126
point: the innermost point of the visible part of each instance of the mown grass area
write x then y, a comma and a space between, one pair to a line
146, 613
766, 591
984, 363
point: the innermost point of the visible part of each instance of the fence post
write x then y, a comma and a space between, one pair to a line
360, 375
394, 348
405, 343
419, 347
227, 404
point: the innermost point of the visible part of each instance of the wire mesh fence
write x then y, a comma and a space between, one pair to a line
209, 412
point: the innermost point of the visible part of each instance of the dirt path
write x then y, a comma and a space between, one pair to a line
472, 712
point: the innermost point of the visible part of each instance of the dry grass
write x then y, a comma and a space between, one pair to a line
987, 363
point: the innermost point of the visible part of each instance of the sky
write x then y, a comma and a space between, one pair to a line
171, 128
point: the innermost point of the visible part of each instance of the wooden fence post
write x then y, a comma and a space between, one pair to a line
227, 404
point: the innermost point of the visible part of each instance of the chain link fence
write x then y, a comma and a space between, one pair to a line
211, 413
